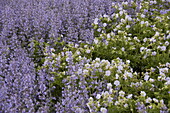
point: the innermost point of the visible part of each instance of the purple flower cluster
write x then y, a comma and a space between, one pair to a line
48, 19
24, 87
78, 88
17, 76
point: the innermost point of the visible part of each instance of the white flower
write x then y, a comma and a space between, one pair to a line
143, 93
78, 52
114, 48
151, 80
105, 94
150, 106
153, 69
79, 110
116, 103
147, 23
148, 100
116, 83
52, 49
121, 13
80, 71
98, 96
85, 71
127, 17
96, 41
109, 85
123, 20
152, 40
118, 26
167, 83
80, 57
110, 91
157, 34
98, 104
154, 53
167, 78
116, 15
153, 2
155, 100
91, 99
167, 64
107, 73
96, 64
97, 59
100, 70
162, 101
99, 29
106, 16
127, 26
148, 50
136, 38
113, 4
142, 15
88, 51
110, 99
76, 45
125, 105
96, 21
68, 86
146, 78
103, 110
53, 55
87, 65
128, 61
121, 93
168, 37
145, 39
85, 46
125, 3
123, 49
167, 43
104, 24
106, 42
159, 78
129, 74
117, 76
120, 8
142, 48
120, 67
108, 35
142, 22
89, 106
67, 59
163, 48
129, 96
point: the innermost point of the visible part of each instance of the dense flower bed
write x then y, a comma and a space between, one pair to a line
124, 69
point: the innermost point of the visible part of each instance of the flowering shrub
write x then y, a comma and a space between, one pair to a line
142, 38
126, 69
102, 85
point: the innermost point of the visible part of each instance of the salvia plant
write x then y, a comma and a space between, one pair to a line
99, 56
